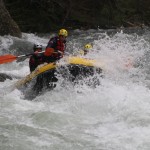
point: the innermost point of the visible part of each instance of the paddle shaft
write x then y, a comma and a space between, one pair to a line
29, 54
9, 58
37, 52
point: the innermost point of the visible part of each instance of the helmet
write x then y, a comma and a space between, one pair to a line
37, 46
63, 32
88, 46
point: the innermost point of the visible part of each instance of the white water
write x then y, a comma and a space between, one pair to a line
112, 116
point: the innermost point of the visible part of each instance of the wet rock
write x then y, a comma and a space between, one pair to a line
7, 25
4, 76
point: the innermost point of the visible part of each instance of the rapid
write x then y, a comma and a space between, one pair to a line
113, 116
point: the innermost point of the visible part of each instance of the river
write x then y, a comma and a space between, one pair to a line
113, 116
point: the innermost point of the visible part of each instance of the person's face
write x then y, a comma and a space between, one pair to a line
85, 52
38, 49
62, 38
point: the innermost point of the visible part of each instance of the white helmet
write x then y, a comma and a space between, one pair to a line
37, 46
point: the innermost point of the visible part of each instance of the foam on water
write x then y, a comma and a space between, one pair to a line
114, 115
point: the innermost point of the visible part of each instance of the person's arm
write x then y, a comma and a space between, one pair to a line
32, 64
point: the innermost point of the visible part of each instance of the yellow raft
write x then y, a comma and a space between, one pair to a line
67, 61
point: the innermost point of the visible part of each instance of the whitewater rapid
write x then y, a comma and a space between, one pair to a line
112, 116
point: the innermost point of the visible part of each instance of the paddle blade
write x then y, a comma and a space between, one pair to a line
7, 58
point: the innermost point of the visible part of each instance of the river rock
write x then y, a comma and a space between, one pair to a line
4, 76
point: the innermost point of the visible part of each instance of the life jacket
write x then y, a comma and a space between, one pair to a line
35, 60
57, 45
60, 45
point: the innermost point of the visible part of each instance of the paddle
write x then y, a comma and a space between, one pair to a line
9, 57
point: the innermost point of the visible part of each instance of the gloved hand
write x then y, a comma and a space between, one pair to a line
59, 54
37, 54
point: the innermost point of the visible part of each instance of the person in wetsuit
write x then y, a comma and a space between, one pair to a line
53, 52
56, 47
86, 50
37, 58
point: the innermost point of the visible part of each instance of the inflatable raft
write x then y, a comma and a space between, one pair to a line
72, 68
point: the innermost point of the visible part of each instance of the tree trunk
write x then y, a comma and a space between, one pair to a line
7, 25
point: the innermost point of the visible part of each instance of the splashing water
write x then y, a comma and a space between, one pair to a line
112, 116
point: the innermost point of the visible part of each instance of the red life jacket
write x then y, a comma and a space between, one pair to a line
57, 45
60, 45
